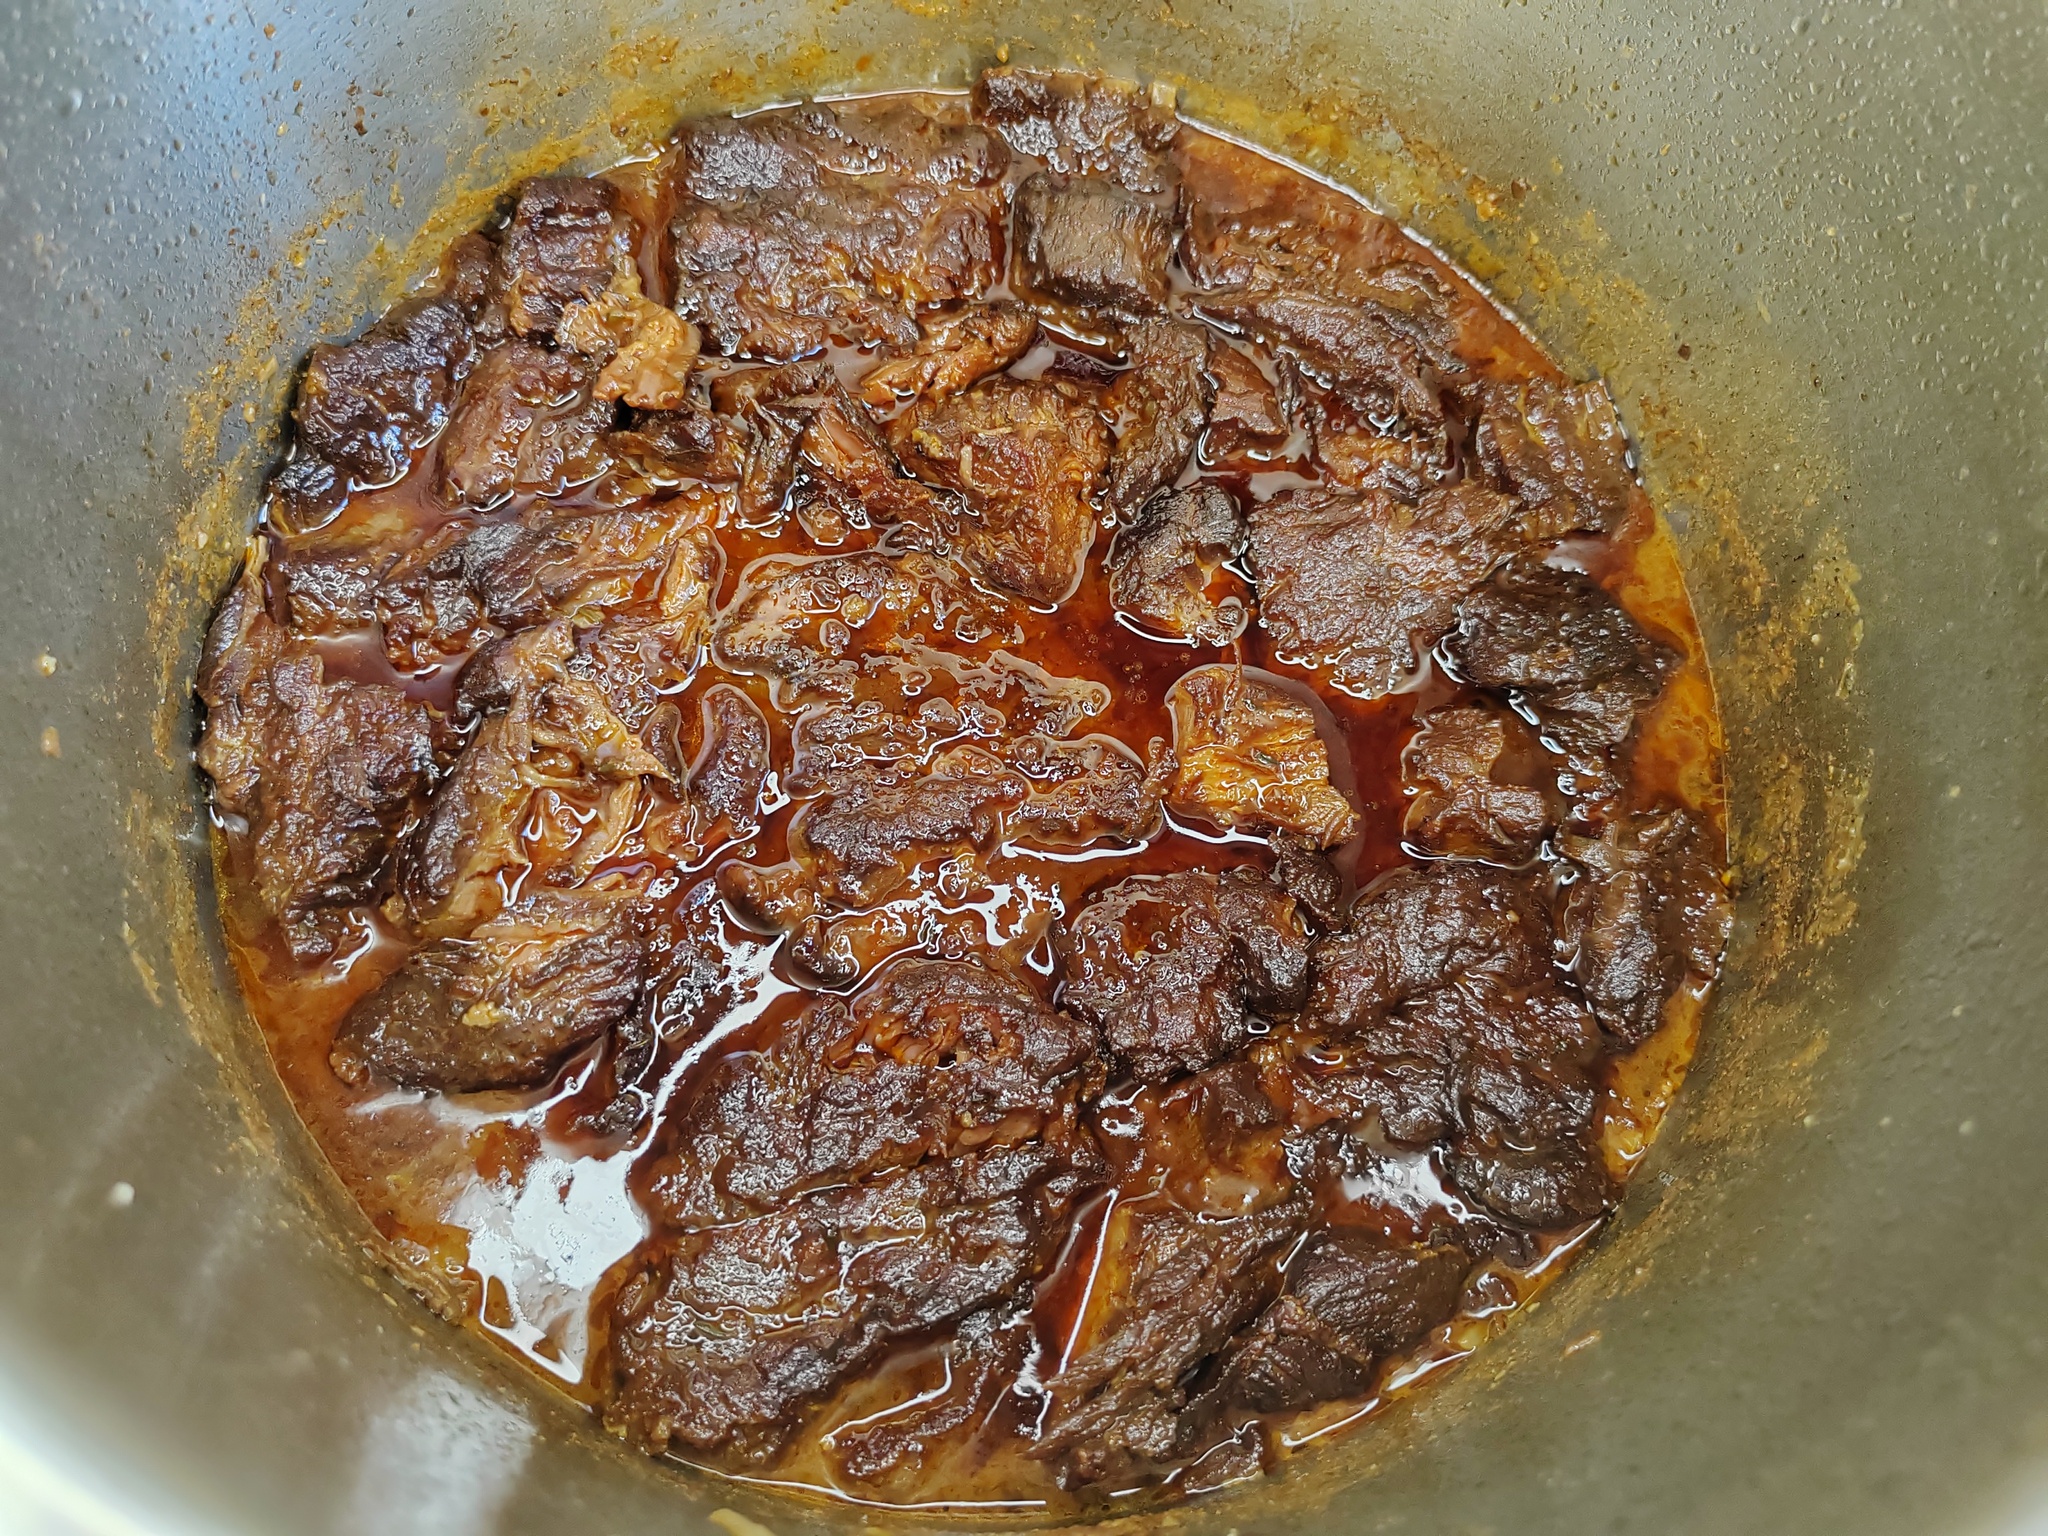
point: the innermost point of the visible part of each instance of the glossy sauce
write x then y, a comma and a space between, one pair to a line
507, 1211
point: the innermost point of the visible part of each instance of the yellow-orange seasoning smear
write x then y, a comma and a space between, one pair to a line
508, 1221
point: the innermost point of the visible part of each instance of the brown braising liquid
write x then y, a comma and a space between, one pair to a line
508, 1218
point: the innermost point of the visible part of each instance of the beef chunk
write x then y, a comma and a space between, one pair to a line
1215, 1195
954, 351
1305, 872
983, 1358
731, 770
1028, 456
323, 771
1166, 569
1561, 449
1162, 399
527, 422
1172, 966
799, 229
1388, 357
424, 604
1645, 915
368, 406
1452, 1027
504, 1006
1570, 652
1084, 791
1351, 1299
803, 622
1360, 456
723, 1339
1252, 416
1362, 586
1251, 755
662, 449
568, 238
861, 840
933, 1059
645, 351
1082, 124
660, 560
1091, 243
1459, 807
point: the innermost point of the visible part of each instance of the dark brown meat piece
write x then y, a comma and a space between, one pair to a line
1250, 755
1029, 456
731, 769
983, 1359
662, 449
932, 1060
1388, 357
1361, 586
660, 559
805, 621
724, 1339
1360, 456
425, 606
324, 772
860, 841
527, 422
1441, 994
1252, 416
1172, 967
1082, 124
954, 352
368, 406
1162, 400
1216, 1196
1090, 243
1572, 654
1646, 914
568, 238
1458, 807
504, 1006
1350, 1301
1166, 569
799, 229
1305, 872
1561, 449
1084, 791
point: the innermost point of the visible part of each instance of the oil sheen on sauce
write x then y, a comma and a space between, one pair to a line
506, 1217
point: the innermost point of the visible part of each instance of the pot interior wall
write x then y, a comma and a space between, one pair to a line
1809, 254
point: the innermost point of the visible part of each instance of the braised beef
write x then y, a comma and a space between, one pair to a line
1452, 1026
1570, 653
323, 771
1092, 244
1166, 569
955, 351
998, 1022
567, 240
800, 230
1082, 124
1029, 457
1161, 401
1362, 585
1351, 1299
931, 1060
1644, 914
1172, 967
504, 1005
1459, 806
1251, 755
1561, 450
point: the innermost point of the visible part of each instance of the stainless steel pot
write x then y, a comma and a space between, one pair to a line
1809, 251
